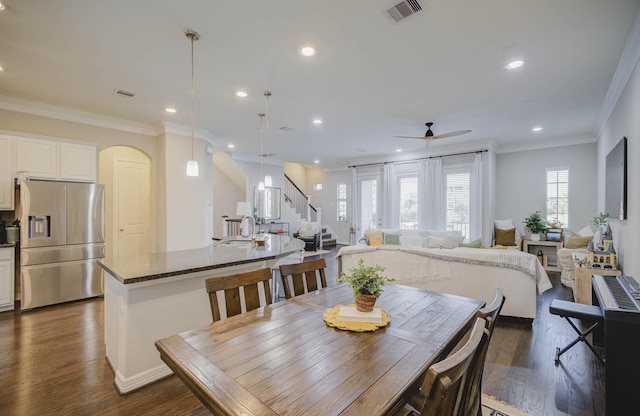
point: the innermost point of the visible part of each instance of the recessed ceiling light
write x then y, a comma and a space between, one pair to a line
231, 146
316, 161
241, 94
515, 64
170, 110
2, 7
537, 129
317, 121
398, 150
307, 51
1, 69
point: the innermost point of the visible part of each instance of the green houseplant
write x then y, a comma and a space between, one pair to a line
367, 284
536, 224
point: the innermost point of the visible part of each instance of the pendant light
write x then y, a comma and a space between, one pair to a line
261, 183
192, 165
267, 179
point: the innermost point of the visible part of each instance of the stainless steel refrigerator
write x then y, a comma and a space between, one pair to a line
61, 237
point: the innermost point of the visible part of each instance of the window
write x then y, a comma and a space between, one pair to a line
458, 196
341, 202
408, 187
558, 195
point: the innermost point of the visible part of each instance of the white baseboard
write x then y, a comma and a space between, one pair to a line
127, 385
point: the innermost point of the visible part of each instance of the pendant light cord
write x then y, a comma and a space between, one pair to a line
193, 91
267, 94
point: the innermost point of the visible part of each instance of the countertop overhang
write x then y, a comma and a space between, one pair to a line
153, 266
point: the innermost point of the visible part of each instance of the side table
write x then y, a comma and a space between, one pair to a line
548, 248
582, 282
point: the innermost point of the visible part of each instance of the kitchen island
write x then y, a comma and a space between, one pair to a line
150, 297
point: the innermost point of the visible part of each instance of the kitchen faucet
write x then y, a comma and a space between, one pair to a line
252, 222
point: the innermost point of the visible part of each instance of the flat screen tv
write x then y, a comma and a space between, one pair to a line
616, 181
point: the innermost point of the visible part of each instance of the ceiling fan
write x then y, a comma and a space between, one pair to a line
430, 136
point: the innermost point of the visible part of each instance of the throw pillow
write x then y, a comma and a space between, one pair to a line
587, 231
505, 237
452, 241
411, 241
575, 241
433, 242
472, 244
375, 237
507, 225
392, 239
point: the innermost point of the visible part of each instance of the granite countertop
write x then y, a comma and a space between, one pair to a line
162, 265
7, 245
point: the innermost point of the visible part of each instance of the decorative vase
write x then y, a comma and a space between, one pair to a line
535, 237
365, 303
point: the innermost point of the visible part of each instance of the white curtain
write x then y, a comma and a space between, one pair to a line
434, 202
475, 199
355, 202
390, 201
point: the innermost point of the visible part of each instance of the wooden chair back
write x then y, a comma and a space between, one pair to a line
444, 385
491, 312
231, 285
472, 402
304, 277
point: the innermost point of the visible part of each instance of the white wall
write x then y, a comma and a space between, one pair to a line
624, 121
326, 198
521, 183
188, 200
226, 193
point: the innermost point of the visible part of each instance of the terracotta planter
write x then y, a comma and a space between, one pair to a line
365, 303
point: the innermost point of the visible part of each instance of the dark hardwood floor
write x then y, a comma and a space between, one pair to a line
52, 363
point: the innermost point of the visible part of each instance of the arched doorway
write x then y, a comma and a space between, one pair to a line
125, 172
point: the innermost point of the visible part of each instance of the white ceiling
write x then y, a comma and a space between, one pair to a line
371, 79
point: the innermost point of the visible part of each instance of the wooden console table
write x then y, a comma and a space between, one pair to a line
548, 248
582, 282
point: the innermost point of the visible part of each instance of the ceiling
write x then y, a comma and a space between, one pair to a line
371, 79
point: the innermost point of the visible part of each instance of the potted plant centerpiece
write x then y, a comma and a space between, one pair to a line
367, 283
536, 225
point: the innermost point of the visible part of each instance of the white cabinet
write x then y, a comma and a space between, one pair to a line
6, 279
77, 162
6, 179
50, 159
37, 158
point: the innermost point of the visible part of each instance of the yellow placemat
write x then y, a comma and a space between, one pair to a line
331, 315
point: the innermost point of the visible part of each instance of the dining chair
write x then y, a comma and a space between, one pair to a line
302, 278
444, 384
231, 284
295, 258
472, 402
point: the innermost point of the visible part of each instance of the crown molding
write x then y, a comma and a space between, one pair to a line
242, 157
182, 130
626, 65
62, 113
546, 144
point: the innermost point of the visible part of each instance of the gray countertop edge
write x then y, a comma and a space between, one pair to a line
213, 264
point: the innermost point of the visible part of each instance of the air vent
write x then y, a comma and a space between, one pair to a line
285, 128
124, 93
404, 9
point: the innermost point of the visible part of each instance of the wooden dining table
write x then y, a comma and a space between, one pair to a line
283, 359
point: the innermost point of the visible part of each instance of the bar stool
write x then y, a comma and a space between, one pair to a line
579, 311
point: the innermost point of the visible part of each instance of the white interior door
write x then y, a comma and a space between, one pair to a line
370, 202
131, 202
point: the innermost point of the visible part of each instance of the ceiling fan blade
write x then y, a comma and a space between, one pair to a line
451, 134
413, 137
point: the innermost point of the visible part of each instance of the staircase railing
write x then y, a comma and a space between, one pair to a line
299, 201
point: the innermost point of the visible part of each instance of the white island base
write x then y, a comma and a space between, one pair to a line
139, 314
155, 296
